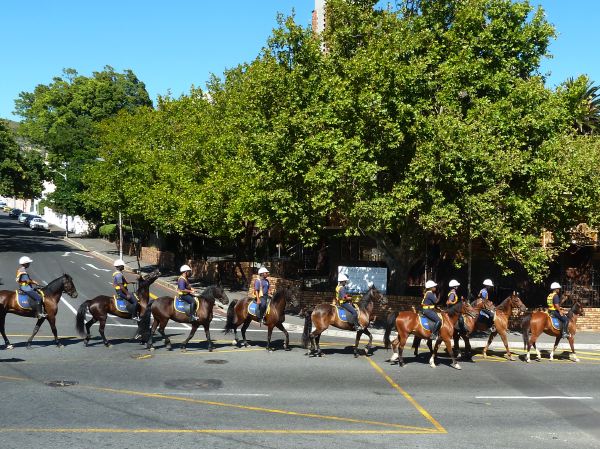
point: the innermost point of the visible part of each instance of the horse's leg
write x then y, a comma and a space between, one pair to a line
394, 357
286, 344
401, 342
192, 332
38, 324
468, 353
504, 338
416, 344
88, 326
572, 356
358, 335
269, 333
369, 346
433, 351
489, 342
235, 338
52, 322
455, 349
207, 333
161, 329
102, 321
556, 341
244, 327
532, 340
2, 321
150, 343
317, 341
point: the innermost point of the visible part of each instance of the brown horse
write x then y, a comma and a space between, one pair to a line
409, 322
501, 321
539, 322
163, 310
237, 314
325, 315
102, 306
52, 293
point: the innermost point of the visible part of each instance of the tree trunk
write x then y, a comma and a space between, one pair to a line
400, 258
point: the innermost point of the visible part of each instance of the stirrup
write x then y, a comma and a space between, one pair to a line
136, 318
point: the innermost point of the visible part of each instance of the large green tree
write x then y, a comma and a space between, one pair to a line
61, 116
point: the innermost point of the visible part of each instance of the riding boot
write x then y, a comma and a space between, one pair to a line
192, 315
565, 330
135, 316
40, 310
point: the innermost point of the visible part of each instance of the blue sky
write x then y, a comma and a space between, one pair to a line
171, 45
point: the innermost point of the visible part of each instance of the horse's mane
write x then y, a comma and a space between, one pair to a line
367, 298
571, 311
209, 293
281, 293
454, 309
55, 285
504, 304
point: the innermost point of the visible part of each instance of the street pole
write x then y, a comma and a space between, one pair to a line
120, 237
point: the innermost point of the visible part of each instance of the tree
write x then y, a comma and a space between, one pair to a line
61, 116
583, 99
21, 172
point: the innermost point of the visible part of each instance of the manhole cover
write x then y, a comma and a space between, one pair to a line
196, 384
61, 383
216, 361
141, 356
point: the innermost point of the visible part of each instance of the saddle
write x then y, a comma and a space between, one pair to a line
555, 322
183, 307
122, 304
253, 308
343, 314
483, 316
23, 301
426, 323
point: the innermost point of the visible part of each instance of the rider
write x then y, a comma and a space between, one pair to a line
554, 310
344, 300
185, 290
25, 286
261, 293
453, 299
120, 285
488, 309
428, 303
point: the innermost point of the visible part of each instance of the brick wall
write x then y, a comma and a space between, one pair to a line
154, 256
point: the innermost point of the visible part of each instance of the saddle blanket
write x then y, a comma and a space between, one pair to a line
182, 306
121, 304
556, 323
426, 323
343, 314
23, 299
253, 308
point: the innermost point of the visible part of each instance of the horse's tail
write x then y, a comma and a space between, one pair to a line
80, 319
230, 323
525, 331
144, 324
307, 329
389, 325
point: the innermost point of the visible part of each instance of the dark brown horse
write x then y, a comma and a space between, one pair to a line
102, 306
533, 325
163, 310
237, 314
52, 293
409, 322
325, 315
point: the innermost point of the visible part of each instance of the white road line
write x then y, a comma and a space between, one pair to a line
62, 298
84, 269
72, 261
95, 267
218, 394
96, 275
577, 398
83, 255
66, 254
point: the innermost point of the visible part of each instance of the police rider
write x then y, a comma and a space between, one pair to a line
120, 286
261, 293
185, 290
344, 300
554, 310
26, 286
488, 309
453, 299
428, 304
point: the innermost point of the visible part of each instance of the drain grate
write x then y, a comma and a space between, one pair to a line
61, 383
216, 361
194, 384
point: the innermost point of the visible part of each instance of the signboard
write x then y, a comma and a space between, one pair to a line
361, 278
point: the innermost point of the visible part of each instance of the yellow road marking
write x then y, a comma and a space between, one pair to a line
224, 431
408, 397
256, 409
153, 296
12, 378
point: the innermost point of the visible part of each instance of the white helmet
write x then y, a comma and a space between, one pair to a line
23, 260
488, 283
185, 268
119, 263
430, 284
453, 283
342, 277
554, 285
262, 270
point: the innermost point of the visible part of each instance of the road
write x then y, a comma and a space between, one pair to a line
124, 396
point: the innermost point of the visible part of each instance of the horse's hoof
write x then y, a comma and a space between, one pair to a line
150, 348
401, 364
184, 349
10, 347
234, 343
456, 366
510, 358
108, 345
86, 343
210, 349
394, 357
29, 346
60, 346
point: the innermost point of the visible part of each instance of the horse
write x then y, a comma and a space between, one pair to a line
52, 293
540, 321
237, 314
325, 315
163, 310
408, 322
101, 306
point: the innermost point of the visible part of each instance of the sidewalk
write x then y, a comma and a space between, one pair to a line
107, 251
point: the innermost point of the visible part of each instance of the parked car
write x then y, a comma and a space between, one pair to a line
15, 213
7, 208
23, 217
27, 221
39, 223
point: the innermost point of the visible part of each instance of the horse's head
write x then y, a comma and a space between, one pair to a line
69, 285
578, 308
516, 303
290, 296
216, 292
376, 295
147, 279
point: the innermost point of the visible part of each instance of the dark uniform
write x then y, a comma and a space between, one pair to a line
183, 285
120, 286
428, 303
261, 286
452, 300
489, 314
26, 287
553, 302
345, 302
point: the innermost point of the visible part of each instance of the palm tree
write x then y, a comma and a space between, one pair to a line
586, 104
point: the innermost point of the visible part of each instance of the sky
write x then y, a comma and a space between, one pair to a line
174, 44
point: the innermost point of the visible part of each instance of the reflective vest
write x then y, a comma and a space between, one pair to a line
115, 285
426, 306
452, 292
337, 296
187, 285
20, 273
550, 301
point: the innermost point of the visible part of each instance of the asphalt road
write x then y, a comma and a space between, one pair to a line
126, 397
